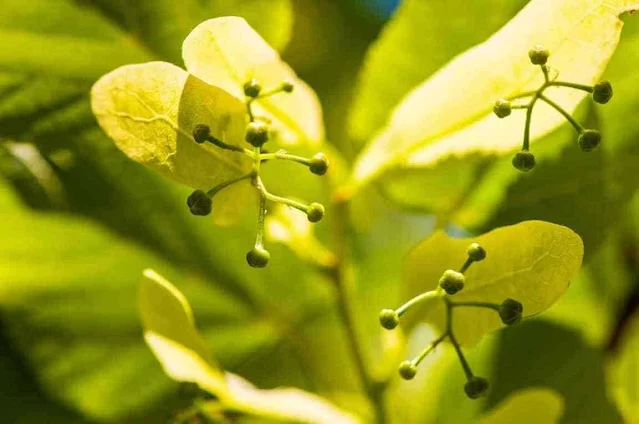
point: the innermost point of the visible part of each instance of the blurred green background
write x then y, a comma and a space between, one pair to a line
80, 221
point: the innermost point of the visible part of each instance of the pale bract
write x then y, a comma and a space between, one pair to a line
227, 52
169, 330
532, 262
450, 113
150, 110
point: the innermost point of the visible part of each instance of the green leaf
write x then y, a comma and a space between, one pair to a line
430, 124
561, 361
169, 330
623, 376
171, 334
151, 110
528, 406
430, 33
531, 262
227, 52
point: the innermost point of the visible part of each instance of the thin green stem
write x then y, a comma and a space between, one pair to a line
466, 265
524, 94
431, 346
526, 144
582, 87
249, 109
212, 192
342, 278
418, 299
544, 69
285, 156
476, 304
453, 340
271, 92
222, 145
285, 201
259, 238
565, 114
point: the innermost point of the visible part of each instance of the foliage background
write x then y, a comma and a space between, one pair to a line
80, 221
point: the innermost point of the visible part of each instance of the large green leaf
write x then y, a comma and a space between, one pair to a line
430, 125
539, 354
430, 33
532, 262
623, 378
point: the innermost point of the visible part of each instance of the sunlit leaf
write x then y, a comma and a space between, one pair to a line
531, 262
529, 406
450, 114
227, 52
171, 334
151, 110
430, 33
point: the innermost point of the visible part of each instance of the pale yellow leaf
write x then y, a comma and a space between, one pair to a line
169, 330
285, 404
227, 52
450, 114
528, 406
150, 111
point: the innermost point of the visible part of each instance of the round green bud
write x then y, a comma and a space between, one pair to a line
602, 92
538, 55
452, 281
258, 257
315, 212
524, 161
319, 164
287, 86
476, 387
476, 252
201, 133
502, 108
257, 133
199, 203
407, 370
252, 88
510, 311
389, 319
588, 140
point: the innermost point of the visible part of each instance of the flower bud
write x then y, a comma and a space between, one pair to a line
476, 252
452, 281
588, 140
287, 86
258, 257
407, 370
319, 164
257, 133
510, 311
524, 161
199, 203
502, 108
201, 133
602, 92
389, 319
476, 387
538, 55
315, 212
252, 88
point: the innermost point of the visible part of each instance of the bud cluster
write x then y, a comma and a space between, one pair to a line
258, 132
451, 282
587, 140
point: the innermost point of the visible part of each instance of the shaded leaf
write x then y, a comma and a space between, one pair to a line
531, 405
623, 376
